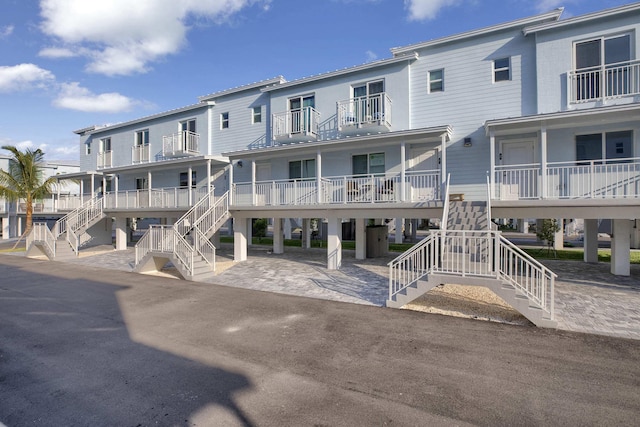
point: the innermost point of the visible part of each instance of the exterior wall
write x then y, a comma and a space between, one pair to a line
470, 97
554, 50
242, 132
331, 90
122, 138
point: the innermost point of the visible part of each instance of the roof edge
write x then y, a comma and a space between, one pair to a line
268, 82
581, 18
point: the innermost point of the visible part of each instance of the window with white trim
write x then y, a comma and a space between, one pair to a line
604, 146
142, 137
256, 115
105, 145
366, 164
87, 148
436, 80
501, 69
302, 169
224, 120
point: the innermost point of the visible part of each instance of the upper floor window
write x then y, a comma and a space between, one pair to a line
188, 125
256, 115
602, 51
365, 164
436, 81
300, 102
501, 69
142, 137
610, 145
87, 148
302, 169
224, 121
368, 89
105, 145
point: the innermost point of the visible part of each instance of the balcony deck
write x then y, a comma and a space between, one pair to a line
365, 114
297, 125
181, 144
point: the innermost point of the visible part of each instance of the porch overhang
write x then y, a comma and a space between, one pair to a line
424, 135
564, 119
78, 175
154, 166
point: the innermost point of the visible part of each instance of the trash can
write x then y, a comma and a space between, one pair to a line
377, 241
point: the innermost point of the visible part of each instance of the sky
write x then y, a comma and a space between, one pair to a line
69, 64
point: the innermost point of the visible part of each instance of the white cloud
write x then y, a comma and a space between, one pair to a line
74, 97
23, 77
57, 52
371, 56
22, 145
121, 37
6, 31
420, 10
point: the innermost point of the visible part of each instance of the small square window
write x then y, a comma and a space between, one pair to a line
501, 69
256, 115
224, 121
436, 81
87, 148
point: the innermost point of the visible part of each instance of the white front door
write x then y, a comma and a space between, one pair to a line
423, 185
520, 179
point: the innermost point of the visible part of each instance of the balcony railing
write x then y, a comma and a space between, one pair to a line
181, 144
298, 124
365, 110
593, 179
104, 159
604, 82
418, 187
140, 154
156, 198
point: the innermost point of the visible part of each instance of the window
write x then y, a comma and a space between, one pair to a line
87, 148
613, 49
224, 121
612, 53
300, 109
436, 81
256, 115
501, 69
368, 89
184, 179
302, 169
142, 184
142, 137
188, 126
614, 145
105, 145
365, 164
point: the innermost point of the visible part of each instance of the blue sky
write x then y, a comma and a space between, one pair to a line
68, 64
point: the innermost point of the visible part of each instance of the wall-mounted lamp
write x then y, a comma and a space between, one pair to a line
467, 142
439, 160
500, 156
239, 163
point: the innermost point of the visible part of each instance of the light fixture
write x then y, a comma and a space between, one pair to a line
239, 163
467, 142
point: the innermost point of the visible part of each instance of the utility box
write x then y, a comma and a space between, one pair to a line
377, 241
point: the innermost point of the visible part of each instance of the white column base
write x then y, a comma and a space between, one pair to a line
590, 240
361, 238
278, 237
121, 234
398, 235
558, 241
5, 228
334, 243
620, 248
240, 226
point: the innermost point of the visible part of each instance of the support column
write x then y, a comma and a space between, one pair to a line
116, 185
149, 184
334, 243
189, 183
278, 238
93, 186
403, 170
590, 241
543, 160
398, 235
20, 229
306, 233
620, 247
635, 234
287, 228
414, 230
319, 177
249, 231
492, 166
5, 228
558, 240
82, 191
121, 234
240, 239
361, 238
443, 165
208, 176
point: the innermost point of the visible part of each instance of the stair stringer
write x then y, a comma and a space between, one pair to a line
154, 262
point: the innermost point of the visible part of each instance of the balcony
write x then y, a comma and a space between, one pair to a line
140, 154
295, 125
367, 113
156, 198
181, 144
371, 189
595, 179
104, 159
604, 83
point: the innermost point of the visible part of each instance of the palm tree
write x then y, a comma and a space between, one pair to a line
25, 179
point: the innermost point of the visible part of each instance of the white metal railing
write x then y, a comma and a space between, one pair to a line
183, 143
371, 109
40, 233
482, 254
418, 187
161, 198
445, 207
301, 121
604, 82
588, 179
104, 159
140, 153
76, 221
69, 202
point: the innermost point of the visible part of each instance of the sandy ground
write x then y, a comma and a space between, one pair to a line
472, 302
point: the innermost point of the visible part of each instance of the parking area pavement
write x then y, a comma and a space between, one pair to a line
588, 297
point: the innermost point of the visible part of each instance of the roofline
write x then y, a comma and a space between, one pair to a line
165, 163
85, 130
559, 115
436, 131
553, 15
582, 18
348, 70
97, 129
268, 82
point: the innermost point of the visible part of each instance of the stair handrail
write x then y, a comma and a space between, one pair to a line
205, 248
445, 207
41, 233
411, 266
218, 211
539, 286
184, 224
61, 225
165, 239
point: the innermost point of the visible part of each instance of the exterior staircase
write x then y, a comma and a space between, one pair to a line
469, 252
186, 244
69, 233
